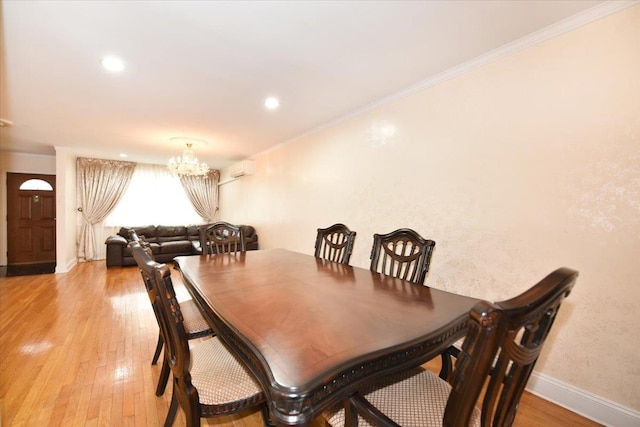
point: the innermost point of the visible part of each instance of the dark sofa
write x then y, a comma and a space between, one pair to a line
166, 242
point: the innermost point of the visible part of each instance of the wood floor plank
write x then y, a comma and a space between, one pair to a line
76, 348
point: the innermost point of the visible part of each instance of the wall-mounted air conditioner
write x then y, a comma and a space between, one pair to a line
242, 168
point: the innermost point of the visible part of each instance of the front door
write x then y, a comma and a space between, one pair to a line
31, 222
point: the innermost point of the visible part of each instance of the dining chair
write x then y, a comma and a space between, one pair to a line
406, 255
222, 237
335, 243
208, 380
194, 323
403, 254
503, 343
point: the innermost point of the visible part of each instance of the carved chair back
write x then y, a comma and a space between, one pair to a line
519, 328
222, 237
403, 254
143, 257
335, 243
157, 278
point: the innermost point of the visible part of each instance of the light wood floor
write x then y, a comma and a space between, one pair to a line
75, 350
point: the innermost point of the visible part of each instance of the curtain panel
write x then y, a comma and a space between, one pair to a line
203, 194
101, 184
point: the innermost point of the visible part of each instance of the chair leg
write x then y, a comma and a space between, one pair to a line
173, 410
350, 414
164, 377
158, 350
264, 410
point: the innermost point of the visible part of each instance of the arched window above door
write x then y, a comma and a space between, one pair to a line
36, 184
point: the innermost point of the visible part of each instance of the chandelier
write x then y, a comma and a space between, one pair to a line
187, 164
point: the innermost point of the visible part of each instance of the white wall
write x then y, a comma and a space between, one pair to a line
67, 215
524, 165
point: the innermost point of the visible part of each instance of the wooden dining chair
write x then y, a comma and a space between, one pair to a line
222, 237
403, 254
194, 324
503, 343
335, 243
208, 380
406, 255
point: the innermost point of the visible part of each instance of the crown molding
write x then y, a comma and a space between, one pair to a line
576, 21
595, 13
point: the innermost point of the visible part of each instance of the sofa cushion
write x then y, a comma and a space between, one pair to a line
169, 233
181, 246
193, 233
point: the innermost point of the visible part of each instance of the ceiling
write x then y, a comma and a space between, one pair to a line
203, 69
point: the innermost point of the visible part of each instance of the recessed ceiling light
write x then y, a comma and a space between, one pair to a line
123, 155
113, 64
271, 103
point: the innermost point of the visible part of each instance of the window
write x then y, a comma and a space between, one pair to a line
36, 184
153, 197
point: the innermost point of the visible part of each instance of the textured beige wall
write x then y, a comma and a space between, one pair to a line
527, 164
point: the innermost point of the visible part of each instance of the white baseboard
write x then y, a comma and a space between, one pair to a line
586, 404
67, 267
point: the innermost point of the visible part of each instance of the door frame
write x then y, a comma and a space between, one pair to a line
21, 176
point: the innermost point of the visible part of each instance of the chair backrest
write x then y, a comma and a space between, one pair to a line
133, 236
403, 254
335, 243
167, 309
143, 255
504, 341
222, 237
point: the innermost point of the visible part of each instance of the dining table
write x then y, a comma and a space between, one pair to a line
313, 331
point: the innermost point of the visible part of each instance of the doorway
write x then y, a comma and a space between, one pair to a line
31, 224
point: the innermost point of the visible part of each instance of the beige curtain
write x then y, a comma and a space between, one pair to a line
203, 193
101, 184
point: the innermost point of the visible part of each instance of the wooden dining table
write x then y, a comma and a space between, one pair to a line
313, 331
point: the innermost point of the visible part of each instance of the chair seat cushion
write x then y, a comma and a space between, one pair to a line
416, 398
219, 377
194, 324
